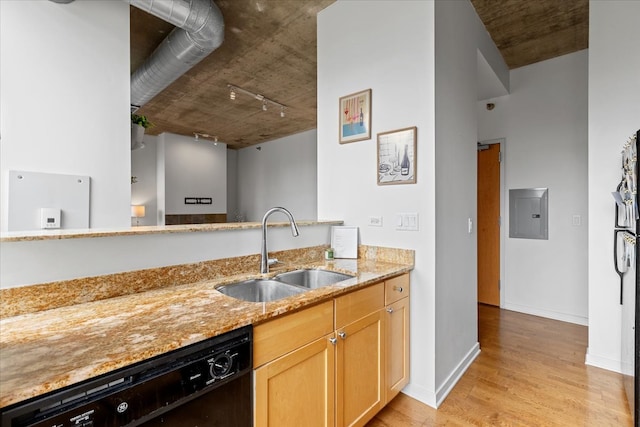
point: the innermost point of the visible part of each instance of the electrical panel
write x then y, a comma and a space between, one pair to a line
529, 213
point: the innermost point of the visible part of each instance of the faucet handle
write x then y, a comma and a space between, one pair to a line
272, 261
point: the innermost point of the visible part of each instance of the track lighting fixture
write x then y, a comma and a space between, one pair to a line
197, 136
233, 90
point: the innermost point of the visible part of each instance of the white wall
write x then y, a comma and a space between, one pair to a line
64, 84
394, 48
194, 169
281, 172
614, 115
144, 191
390, 49
544, 122
459, 32
76, 258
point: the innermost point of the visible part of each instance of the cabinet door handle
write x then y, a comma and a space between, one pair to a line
390, 310
333, 340
398, 288
342, 335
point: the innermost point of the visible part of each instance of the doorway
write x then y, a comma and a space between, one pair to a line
489, 221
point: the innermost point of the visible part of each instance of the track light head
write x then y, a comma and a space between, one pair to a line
233, 90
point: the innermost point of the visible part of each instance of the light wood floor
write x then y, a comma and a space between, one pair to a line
530, 372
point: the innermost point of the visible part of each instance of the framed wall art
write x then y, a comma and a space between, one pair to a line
397, 156
355, 117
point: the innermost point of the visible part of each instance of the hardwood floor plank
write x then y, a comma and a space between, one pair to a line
530, 372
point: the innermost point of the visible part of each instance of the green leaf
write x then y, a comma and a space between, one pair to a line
141, 120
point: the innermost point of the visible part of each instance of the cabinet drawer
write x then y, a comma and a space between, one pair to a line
396, 288
358, 304
284, 334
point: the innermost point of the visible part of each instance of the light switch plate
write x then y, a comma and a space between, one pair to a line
407, 221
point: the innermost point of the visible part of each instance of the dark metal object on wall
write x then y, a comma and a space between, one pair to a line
198, 200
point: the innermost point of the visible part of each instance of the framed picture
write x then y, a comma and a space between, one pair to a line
397, 156
355, 117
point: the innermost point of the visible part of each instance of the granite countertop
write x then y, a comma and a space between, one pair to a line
61, 234
47, 350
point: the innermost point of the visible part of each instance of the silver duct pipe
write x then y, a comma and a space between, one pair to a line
200, 31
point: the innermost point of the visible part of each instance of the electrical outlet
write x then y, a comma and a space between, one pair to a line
375, 221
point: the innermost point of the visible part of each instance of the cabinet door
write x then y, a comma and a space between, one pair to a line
298, 388
397, 347
360, 370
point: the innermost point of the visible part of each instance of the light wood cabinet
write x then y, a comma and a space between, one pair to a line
356, 305
334, 364
294, 369
396, 288
287, 333
396, 335
397, 347
360, 364
298, 389
360, 389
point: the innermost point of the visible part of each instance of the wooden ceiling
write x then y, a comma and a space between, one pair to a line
270, 49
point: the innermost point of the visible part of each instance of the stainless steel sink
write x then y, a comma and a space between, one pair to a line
312, 278
260, 290
283, 285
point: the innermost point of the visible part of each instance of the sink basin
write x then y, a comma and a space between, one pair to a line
283, 285
260, 290
312, 278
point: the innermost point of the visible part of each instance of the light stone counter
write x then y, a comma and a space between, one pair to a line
25, 236
68, 332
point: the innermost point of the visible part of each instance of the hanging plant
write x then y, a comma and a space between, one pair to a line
141, 120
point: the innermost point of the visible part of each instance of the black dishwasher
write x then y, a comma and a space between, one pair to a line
204, 384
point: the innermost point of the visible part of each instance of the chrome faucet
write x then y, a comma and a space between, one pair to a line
265, 262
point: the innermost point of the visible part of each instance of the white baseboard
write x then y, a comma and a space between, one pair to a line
445, 388
603, 362
564, 317
428, 397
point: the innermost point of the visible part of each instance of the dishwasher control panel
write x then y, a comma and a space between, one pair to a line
142, 391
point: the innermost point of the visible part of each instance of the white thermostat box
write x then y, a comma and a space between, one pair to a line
32, 193
49, 218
